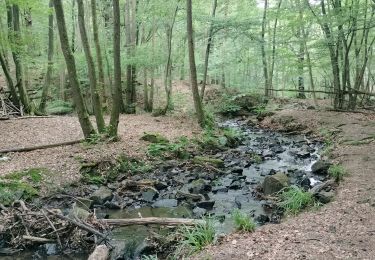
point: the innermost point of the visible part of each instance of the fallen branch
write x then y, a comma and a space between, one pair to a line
78, 224
38, 239
153, 221
40, 147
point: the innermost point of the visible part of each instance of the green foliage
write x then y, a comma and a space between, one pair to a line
132, 166
21, 185
154, 138
228, 107
178, 149
242, 221
59, 107
199, 236
256, 158
295, 199
337, 172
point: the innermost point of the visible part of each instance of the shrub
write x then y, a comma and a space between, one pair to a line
242, 221
176, 149
337, 172
59, 107
295, 199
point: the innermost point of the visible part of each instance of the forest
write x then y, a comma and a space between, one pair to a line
181, 129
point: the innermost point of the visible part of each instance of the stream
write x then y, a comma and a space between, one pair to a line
261, 153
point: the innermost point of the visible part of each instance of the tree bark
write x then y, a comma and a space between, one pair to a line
208, 48
97, 106
8, 77
193, 69
99, 57
83, 116
263, 50
47, 83
116, 92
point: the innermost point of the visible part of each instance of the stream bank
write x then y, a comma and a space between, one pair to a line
215, 184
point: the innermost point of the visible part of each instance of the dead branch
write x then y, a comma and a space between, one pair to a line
40, 147
152, 221
38, 239
54, 228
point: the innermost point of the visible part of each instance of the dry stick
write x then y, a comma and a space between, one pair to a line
152, 220
29, 149
78, 224
38, 239
54, 228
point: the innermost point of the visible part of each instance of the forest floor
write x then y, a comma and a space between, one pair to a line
342, 229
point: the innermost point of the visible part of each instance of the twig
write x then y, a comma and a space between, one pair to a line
38, 239
54, 229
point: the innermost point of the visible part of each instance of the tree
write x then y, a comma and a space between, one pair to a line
83, 116
47, 83
97, 106
193, 69
116, 92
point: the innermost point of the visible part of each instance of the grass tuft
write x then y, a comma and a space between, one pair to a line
199, 236
242, 221
337, 172
295, 199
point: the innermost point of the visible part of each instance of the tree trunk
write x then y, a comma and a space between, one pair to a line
17, 59
9, 80
99, 58
97, 106
116, 92
193, 69
208, 48
83, 116
263, 50
43, 101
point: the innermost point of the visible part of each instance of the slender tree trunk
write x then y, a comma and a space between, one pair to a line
73, 47
263, 50
193, 69
208, 48
83, 116
16, 38
273, 57
97, 107
47, 83
99, 57
116, 92
9, 80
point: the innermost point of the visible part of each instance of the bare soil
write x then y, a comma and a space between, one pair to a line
65, 161
342, 229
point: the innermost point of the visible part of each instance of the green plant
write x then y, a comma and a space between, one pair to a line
337, 172
199, 236
59, 107
176, 149
34, 175
242, 221
295, 199
11, 190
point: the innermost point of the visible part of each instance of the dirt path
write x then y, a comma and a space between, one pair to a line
65, 161
343, 229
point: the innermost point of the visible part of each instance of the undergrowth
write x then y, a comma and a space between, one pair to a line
295, 199
337, 172
197, 237
242, 221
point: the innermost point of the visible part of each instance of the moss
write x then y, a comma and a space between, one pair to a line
154, 138
34, 175
11, 190
203, 160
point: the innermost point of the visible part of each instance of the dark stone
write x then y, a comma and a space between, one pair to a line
112, 205
149, 195
101, 195
275, 183
199, 187
320, 168
165, 203
160, 185
237, 170
208, 205
235, 185
305, 183
199, 212
240, 200
325, 196
219, 189
262, 219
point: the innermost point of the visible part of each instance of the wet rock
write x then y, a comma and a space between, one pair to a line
77, 212
305, 183
50, 249
101, 195
154, 138
208, 205
220, 189
149, 195
235, 185
160, 185
320, 168
84, 203
240, 200
165, 203
237, 170
199, 186
202, 160
112, 205
325, 196
275, 183
199, 212
262, 219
